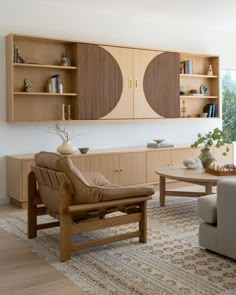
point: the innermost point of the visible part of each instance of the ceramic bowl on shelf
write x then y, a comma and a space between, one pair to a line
83, 150
158, 141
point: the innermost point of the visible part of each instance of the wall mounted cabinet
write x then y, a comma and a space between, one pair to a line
125, 83
104, 82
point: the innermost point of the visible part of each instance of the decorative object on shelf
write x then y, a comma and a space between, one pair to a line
193, 164
63, 112
193, 91
224, 170
210, 71
69, 112
158, 141
28, 85
83, 150
183, 109
215, 138
65, 60
66, 148
203, 115
204, 89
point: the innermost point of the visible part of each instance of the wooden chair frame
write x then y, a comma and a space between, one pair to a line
135, 209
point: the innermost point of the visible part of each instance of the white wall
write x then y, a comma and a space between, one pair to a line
97, 21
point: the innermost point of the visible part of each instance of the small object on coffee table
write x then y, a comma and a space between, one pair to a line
221, 170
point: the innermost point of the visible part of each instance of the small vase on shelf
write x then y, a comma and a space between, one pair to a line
66, 148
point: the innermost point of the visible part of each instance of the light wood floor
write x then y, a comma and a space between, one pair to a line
23, 272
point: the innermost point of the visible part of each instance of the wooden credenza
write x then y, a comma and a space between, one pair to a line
125, 166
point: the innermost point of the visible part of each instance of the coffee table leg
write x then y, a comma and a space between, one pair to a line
162, 190
208, 188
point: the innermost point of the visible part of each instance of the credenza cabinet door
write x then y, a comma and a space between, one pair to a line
155, 160
107, 165
83, 162
132, 168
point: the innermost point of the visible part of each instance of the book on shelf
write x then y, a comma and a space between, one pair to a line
211, 110
15, 54
54, 84
186, 67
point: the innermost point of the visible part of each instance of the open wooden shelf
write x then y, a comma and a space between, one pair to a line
45, 66
45, 94
197, 76
197, 96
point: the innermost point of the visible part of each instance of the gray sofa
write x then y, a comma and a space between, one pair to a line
218, 231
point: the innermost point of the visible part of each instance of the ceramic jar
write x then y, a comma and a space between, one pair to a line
66, 148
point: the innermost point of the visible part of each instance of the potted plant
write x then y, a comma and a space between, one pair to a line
215, 138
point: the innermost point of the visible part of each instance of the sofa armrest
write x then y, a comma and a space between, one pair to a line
226, 216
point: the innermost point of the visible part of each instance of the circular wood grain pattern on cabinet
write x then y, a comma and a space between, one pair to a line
100, 81
161, 84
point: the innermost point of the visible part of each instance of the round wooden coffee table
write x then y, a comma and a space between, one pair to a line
181, 173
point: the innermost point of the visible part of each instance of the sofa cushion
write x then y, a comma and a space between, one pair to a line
206, 208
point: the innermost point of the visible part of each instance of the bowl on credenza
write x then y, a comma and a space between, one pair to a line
83, 150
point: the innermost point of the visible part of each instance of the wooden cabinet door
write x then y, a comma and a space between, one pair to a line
178, 155
81, 162
124, 107
156, 92
156, 159
104, 74
108, 165
133, 168
222, 160
142, 108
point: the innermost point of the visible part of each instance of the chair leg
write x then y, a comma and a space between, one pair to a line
65, 237
32, 214
143, 223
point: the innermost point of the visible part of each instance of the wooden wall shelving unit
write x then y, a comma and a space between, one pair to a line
104, 82
193, 81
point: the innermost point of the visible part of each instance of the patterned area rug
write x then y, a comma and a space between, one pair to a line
171, 263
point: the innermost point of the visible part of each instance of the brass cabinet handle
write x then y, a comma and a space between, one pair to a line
130, 83
136, 83
117, 170
122, 169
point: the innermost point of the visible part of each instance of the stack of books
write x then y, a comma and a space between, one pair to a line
210, 109
186, 67
54, 84
15, 54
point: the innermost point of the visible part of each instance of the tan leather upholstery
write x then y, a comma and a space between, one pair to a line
89, 187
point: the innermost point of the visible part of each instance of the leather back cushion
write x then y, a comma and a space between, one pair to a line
89, 187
